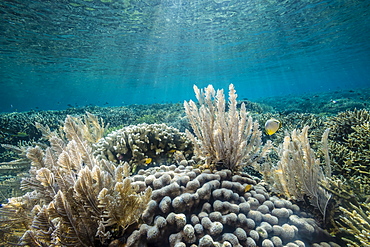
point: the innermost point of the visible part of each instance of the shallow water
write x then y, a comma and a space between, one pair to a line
110, 52
303, 60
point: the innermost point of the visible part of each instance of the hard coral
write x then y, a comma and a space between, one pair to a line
356, 221
349, 147
216, 211
143, 144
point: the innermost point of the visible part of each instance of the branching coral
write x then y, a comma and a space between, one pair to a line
341, 124
350, 142
356, 221
227, 138
349, 216
70, 190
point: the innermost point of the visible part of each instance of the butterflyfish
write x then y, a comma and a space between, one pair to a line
271, 126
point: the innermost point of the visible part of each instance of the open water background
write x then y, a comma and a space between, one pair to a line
58, 53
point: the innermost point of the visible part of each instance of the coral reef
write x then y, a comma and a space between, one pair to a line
350, 211
137, 185
356, 221
225, 138
321, 103
19, 126
298, 172
350, 146
350, 217
144, 144
74, 199
294, 121
19, 130
193, 208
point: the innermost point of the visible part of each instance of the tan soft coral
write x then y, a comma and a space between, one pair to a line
228, 138
70, 189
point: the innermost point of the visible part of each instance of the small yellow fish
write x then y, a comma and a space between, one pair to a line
271, 126
247, 188
172, 151
148, 160
279, 171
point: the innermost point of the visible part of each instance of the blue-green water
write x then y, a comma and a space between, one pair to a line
115, 52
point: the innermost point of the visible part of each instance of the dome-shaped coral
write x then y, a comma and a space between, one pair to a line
143, 144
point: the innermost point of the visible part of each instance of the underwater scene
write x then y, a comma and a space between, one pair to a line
209, 123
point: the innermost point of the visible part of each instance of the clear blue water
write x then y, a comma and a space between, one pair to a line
118, 52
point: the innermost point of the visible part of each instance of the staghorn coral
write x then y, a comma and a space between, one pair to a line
349, 145
351, 157
226, 138
298, 172
350, 210
74, 199
341, 124
356, 221
142, 144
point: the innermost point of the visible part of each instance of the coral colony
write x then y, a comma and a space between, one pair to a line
152, 185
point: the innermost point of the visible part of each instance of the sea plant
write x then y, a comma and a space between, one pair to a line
73, 198
299, 172
223, 135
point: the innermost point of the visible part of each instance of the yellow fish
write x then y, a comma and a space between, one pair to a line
247, 188
148, 160
271, 126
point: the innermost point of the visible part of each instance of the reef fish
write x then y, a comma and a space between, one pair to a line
247, 188
271, 126
12, 132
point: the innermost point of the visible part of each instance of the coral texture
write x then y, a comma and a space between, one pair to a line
356, 221
193, 208
350, 147
74, 199
142, 144
225, 138
298, 172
